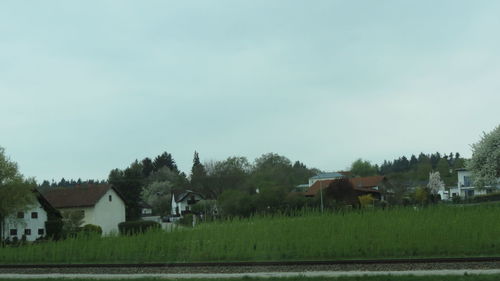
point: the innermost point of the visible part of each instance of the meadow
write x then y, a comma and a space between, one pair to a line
439, 231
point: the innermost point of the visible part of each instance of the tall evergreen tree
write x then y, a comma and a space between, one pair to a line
165, 160
198, 173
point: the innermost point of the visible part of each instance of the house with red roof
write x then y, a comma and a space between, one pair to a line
100, 204
374, 185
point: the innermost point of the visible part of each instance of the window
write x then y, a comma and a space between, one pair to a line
20, 215
34, 215
13, 232
41, 231
110, 198
27, 232
467, 181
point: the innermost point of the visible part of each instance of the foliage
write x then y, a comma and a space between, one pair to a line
92, 229
135, 227
158, 195
206, 208
361, 168
486, 197
186, 220
485, 161
54, 229
366, 200
72, 220
435, 183
422, 195
307, 235
236, 203
198, 174
341, 192
15, 191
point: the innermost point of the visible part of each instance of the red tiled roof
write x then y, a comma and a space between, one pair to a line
362, 184
76, 196
313, 189
367, 182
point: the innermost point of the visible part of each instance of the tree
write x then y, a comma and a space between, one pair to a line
15, 191
165, 160
158, 195
485, 161
435, 183
198, 174
231, 173
362, 168
341, 191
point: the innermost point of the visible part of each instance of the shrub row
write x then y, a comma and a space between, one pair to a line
134, 227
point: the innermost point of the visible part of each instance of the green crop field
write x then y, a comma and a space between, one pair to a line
441, 231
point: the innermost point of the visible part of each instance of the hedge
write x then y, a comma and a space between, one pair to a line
133, 227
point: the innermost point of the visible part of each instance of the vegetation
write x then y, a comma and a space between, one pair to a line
438, 231
15, 191
485, 161
136, 227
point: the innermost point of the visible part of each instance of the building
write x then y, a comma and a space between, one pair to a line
324, 176
465, 187
182, 200
30, 224
362, 186
101, 205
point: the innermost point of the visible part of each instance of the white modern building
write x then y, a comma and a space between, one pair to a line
465, 187
101, 205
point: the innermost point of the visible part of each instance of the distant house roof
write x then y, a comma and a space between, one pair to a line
327, 176
51, 210
361, 184
179, 195
72, 197
367, 182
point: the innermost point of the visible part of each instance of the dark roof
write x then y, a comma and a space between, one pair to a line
71, 197
179, 195
46, 205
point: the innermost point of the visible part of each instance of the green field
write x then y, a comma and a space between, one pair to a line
441, 231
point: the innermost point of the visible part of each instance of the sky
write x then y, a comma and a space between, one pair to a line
89, 86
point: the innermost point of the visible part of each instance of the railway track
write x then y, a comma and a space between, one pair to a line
360, 262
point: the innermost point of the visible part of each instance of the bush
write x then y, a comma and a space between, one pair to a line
487, 197
134, 227
186, 220
91, 229
54, 229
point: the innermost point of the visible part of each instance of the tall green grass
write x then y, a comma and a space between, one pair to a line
441, 231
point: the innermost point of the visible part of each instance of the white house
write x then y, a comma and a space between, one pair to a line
30, 223
465, 187
182, 201
101, 205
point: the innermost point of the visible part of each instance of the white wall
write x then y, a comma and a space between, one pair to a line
108, 214
461, 175
34, 224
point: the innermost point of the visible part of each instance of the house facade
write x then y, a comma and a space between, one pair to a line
29, 224
183, 200
101, 205
465, 187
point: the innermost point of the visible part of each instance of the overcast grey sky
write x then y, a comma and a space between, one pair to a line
88, 86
